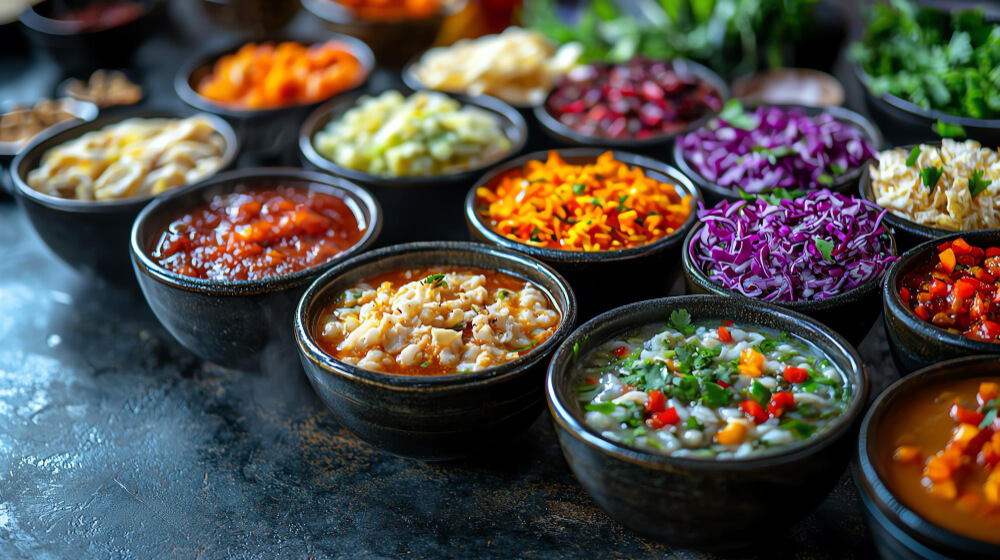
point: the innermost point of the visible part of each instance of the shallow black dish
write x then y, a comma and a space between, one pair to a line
907, 122
704, 503
432, 417
602, 279
90, 236
898, 531
851, 313
845, 184
908, 234
917, 344
656, 145
238, 324
263, 132
416, 208
85, 51
393, 41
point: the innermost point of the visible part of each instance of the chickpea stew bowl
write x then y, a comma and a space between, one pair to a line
433, 350
705, 422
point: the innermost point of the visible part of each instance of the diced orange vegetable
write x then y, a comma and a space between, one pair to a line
964, 288
988, 390
733, 434
991, 490
944, 489
724, 335
948, 260
960, 247
921, 311
907, 454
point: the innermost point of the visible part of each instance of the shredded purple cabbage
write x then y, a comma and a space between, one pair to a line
774, 252
786, 149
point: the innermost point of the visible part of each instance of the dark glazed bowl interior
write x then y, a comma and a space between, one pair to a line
264, 131
416, 208
704, 503
851, 313
909, 234
559, 131
237, 324
92, 236
844, 184
647, 270
916, 344
899, 531
431, 417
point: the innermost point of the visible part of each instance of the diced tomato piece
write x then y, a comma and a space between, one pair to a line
961, 414
655, 401
984, 330
938, 289
943, 246
947, 258
622, 351
961, 247
724, 335
977, 253
795, 374
966, 260
905, 294
980, 307
985, 277
753, 411
964, 288
992, 252
781, 403
921, 311
722, 384
664, 418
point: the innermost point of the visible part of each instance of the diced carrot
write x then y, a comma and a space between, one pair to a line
907, 454
947, 260
724, 335
960, 247
988, 390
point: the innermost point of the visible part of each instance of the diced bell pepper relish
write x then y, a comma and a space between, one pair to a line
708, 389
256, 234
601, 206
957, 290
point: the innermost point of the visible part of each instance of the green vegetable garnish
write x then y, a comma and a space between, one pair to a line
914, 154
948, 130
825, 179
977, 184
930, 176
825, 248
736, 117
579, 189
760, 393
603, 408
435, 280
990, 413
837, 169
693, 424
680, 319
799, 428
714, 395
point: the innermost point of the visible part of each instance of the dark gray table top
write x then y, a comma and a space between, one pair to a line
116, 442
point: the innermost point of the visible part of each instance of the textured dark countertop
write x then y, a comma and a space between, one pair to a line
116, 442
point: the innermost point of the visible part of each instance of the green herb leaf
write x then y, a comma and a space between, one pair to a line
685, 388
825, 179
579, 189
526, 348
948, 130
807, 410
714, 395
693, 424
603, 408
766, 345
914, 154
434, 280
503, 294
760, 393
990, 409
977, 184
680, 319
425, 364
800, 429
825, 248
837, 169
930, 176
736, 117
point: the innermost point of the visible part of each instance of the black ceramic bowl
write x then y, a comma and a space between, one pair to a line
704, 503
898, 531
851, 313
907, 122
85, 50
908, 234
602, 279
416, 208
916, 344
394, 41
239, 324
845, 184
655, 145
92, 237
263, 132
432, 417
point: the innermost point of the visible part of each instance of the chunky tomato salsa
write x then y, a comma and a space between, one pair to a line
957, 290
256, 234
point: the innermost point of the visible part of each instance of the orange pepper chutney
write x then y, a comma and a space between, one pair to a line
940, 450
258, 234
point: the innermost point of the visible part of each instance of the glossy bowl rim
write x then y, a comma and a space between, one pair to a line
228, 180
678, 179
349, 100
871, 485
699, 277
39, 23
841, 426
209, 56
867, 192
915, 110
840, 113
893, 302
553, 126
21, 187
323, 11
311, 303
82, 111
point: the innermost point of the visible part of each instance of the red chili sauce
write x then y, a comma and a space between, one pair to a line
255, 234
958, 290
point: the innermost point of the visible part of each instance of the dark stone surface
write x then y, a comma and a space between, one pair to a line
115, 442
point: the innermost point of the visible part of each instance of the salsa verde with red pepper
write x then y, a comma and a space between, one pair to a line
711, 389
957, 290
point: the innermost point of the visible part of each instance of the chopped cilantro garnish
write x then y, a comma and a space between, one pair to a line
693, 424
734, 115
714, 395
914, 154
579, 189
990, 413
825, 248
603, 408
800, 429
425, 364
435, 280
948, 130
977, 184
806, 410
930, 176
621, 202
680, 319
